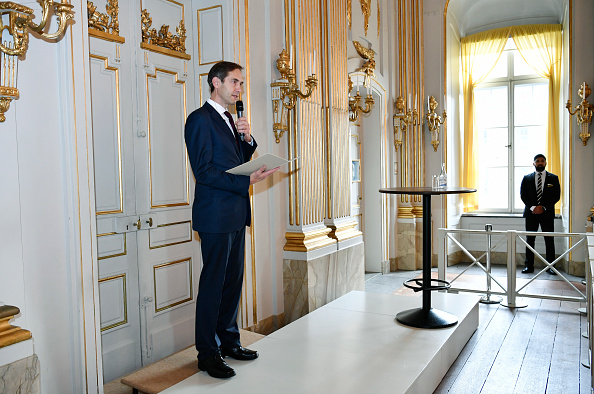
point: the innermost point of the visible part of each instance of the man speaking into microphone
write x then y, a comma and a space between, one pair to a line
220, 213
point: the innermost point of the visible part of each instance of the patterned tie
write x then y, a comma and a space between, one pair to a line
539, 189
228, 115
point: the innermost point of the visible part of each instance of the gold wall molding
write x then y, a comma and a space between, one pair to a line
9, 335
308, 241
342, 232
350, 13
410, 66
163, 41
405, 213
379, 19
417, 211
105, 26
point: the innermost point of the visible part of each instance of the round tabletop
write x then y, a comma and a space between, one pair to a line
426, 190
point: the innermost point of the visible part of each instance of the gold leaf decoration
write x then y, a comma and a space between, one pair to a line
379, 18
163, 38
102, 22
366, 9
350, 13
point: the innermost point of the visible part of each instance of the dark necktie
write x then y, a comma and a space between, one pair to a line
539, 189
228, 115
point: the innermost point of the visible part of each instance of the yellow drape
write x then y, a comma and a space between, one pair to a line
540, 46
480, 53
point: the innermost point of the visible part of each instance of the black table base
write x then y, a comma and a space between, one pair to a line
421, 318
426, 317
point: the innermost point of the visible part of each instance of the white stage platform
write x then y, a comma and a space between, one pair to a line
351, 345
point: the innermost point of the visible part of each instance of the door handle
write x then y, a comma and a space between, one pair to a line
150, 222
138, 224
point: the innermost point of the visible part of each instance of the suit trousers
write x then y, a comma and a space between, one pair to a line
546, 224
219, 291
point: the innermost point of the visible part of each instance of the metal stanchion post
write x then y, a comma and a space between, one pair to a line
512, 301
488, 299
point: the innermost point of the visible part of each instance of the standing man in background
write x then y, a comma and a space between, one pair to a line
220, 213
540, 191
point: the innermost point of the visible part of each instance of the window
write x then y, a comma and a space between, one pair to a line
511, 118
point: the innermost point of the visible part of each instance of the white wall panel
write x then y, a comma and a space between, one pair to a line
173, 284
105, 98
111, 245
114, 305
170, 234
210, 35
169, 176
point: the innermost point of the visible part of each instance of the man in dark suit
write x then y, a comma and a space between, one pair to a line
540, 191
220, 213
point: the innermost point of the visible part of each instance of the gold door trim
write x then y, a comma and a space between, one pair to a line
119, 132
173, 243
123, 277
190, 298
117, 254
148, 109
106, 36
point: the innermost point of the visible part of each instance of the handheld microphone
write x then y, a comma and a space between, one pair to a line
239, 110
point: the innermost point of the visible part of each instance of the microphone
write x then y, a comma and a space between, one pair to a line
239, 110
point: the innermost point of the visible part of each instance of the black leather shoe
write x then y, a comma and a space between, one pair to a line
239, 353
216, 367
550, 271
528, 270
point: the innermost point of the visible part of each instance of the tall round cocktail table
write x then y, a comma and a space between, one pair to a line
426, 317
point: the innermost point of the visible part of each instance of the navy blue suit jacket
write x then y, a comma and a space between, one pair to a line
221, 200
550, 195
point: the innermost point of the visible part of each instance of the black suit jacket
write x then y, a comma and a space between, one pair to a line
550, 195
221, 200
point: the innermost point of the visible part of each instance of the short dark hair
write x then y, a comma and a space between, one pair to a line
221, 70
539, 156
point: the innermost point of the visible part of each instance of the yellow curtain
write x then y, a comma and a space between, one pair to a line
480, 53
540, 46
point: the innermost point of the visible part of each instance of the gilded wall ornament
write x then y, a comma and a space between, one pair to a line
163, 38
368, 54
350, 13
100, 21
366, 9
379, 18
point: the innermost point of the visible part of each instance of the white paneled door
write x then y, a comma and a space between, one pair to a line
148, 260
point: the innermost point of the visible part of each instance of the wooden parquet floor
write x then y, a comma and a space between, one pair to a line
537, 349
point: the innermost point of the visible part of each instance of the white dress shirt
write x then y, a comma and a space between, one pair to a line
221, 110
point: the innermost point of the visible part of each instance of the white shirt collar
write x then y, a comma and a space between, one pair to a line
220, 109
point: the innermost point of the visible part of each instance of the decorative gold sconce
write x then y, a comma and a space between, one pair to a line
285, 93
402, 119
354, 107
18, 21
583, 111
434, 121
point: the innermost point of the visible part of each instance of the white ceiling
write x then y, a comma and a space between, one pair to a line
475, 16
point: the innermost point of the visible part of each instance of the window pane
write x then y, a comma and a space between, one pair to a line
519, 173
491, 107
520, 65
493, 163
493, 188
500, 69
531, 104
528, 142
